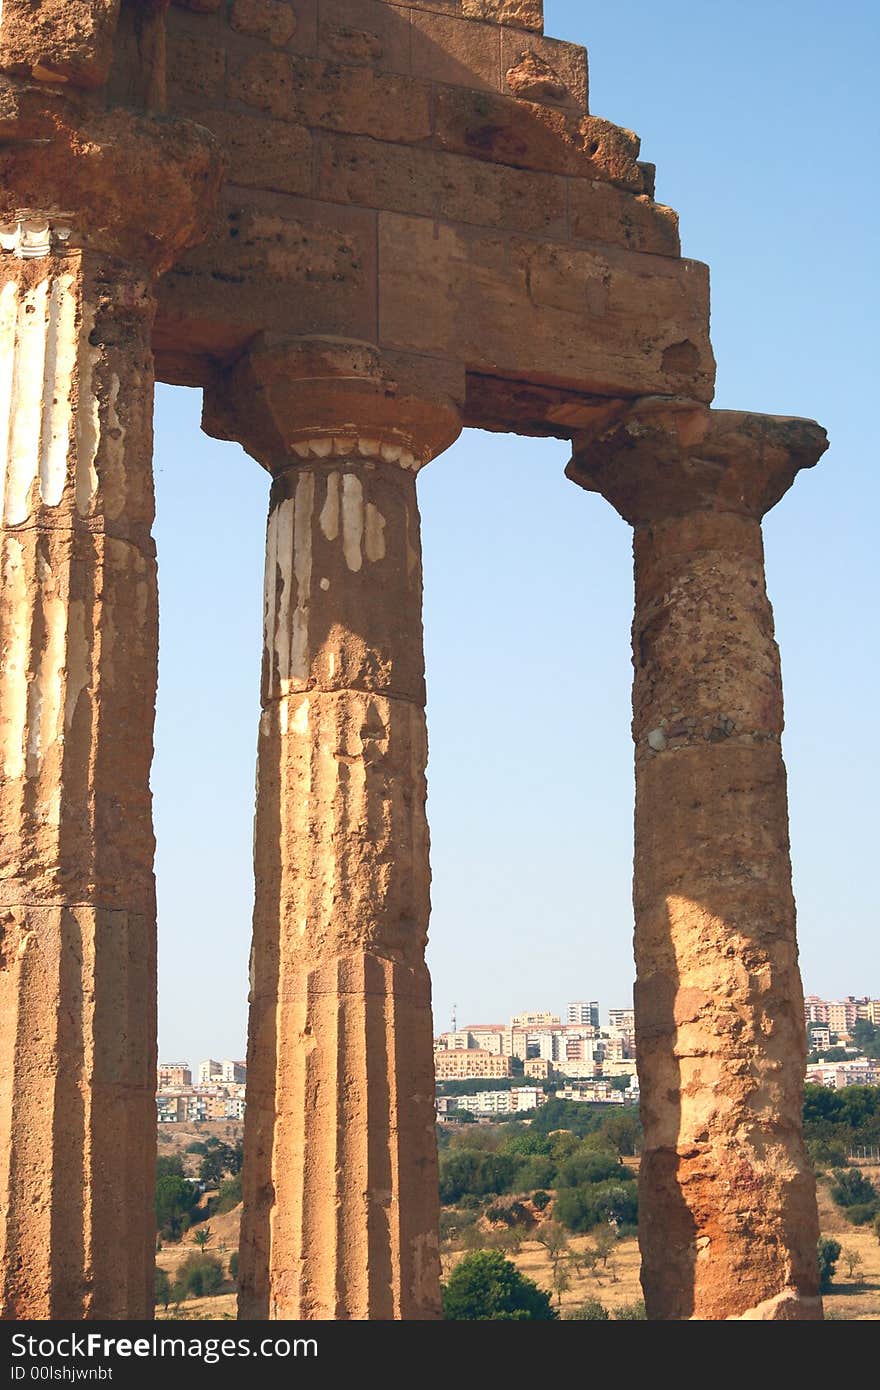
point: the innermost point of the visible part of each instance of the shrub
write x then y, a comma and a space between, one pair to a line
586, 1167
536, 1171
163, 1287
541, 1200
851, 1188
862, 1214
199, 1276
632, 1312
596, 1204
514, 1213
828, 1253
229, 1195
233, 1266
591, 1311
484, 1286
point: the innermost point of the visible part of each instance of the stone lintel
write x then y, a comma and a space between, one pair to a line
126, 185
666, 456
288, 400
63, 42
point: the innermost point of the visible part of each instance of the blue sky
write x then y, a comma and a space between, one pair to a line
762, 121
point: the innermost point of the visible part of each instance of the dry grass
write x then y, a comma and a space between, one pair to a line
615, 1285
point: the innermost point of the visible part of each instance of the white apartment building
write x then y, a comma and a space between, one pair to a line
622, 1021
539, 1020
210, 1072
583, 1011
489, 1037
500, 1102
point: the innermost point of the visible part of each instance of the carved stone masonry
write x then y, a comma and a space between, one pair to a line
78, 638
340, 1187
422, 224
728, 1223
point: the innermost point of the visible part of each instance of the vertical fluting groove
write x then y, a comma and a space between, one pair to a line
341, 867
77, 688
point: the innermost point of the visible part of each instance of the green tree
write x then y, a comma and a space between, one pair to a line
866, 1037
176, 1200
828, 1253
851, 1188
484, 1286
203, 1237
221, 1160
163, 1287
200, 1275
597, 1204
229, 1195
233, 1266
854, 1262
588, 1166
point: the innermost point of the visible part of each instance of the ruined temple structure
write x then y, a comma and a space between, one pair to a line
359, 226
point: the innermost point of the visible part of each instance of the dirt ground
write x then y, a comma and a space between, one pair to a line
854, 1298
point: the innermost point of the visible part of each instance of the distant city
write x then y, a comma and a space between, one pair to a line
537, 1055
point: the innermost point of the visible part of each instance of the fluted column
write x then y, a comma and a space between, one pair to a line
340, 1176
78, 643
727, 1222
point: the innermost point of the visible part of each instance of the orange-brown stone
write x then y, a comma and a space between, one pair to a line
340, 1186
728, 1223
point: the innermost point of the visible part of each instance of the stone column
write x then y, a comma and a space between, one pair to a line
78, 644
728, 1223
340, 1172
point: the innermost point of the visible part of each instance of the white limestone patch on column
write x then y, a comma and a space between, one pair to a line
13, 662
374, 533
330, 511
284, 574
58, 383
22, 442
302, 570
88, 417
352, 521
270, 598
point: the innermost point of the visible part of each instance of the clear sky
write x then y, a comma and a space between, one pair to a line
762, 120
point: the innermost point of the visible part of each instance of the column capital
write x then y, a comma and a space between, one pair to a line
292, 400
136, 187
666, 457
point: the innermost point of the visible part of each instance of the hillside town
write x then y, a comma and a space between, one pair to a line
218, 1094
541, 1055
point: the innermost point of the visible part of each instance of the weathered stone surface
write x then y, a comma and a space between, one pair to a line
94, 203
290, 264
599, 212
59, 41
728, 1223
398, 178
78, 636
545, 70
532, 308
328, 96
529, 135
79, 168
447, 49
365, 31
523, 14
274, 20
265, 154
340, 1216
